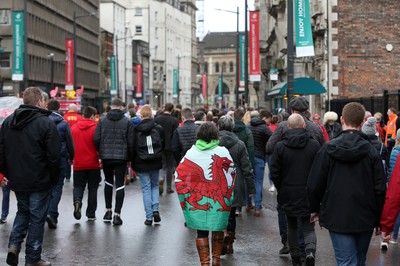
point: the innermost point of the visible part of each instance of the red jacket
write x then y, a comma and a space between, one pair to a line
392, 200
72, 118
86, 157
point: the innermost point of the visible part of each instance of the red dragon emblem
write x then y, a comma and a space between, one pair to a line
195, 184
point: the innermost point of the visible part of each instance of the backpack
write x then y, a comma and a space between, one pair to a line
149, 144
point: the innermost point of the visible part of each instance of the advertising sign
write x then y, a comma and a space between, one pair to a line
176, 84
254, 46
18, 35
204, 85
69, 64
242, 58
304, 39
113, 69
139, 81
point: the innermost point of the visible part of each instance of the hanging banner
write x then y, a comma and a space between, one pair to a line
69, 64
304, 38
113, 73
175, 84
18, 35
220, 88
254, 46
242, 59
139, 81
204, 85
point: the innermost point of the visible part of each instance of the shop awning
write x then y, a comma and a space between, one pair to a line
302, 86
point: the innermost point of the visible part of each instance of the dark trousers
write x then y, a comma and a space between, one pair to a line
5, 204
232, 220
283, 230
92, 179
117, 169
310, 239
29, 222
168, 164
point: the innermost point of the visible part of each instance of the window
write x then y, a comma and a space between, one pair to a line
138, 30
206, 67
217, 67
138, 11
155, 15
223, 67
161, 72
5, 60
155, 73
156, 32
5, 17
231, 66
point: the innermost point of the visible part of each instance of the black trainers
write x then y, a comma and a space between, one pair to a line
107, 217
284, 250
310, 259
51, 222
77, 210
12, 256
117, 220
148, 222
156, 217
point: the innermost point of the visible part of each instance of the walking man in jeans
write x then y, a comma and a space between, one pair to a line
346, 188
114, 141
30, 158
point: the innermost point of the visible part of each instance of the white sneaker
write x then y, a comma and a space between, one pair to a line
272, 188
393, 241
384, 246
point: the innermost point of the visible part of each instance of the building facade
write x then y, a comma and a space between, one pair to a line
48, 24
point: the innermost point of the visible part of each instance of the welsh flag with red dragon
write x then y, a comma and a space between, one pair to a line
204, 182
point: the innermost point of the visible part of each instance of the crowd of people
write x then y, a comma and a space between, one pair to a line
336, 173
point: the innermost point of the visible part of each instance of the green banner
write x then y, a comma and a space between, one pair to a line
304, 38
113, 69
176, 84
18, 35
242, 59
220, 88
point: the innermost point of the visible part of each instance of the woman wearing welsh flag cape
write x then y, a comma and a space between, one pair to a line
204, 183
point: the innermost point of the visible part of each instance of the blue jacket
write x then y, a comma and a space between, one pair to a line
67, 144
393, 158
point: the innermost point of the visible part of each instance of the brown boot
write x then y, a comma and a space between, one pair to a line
217, 243
203, 248
231, 239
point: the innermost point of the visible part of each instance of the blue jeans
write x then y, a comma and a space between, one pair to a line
149, 183
258, 178
30, 220
396, 227
57, 192
5, 205
351, 249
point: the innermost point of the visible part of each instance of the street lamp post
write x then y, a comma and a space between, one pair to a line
51, 56
246, 56
290, 53
237, 53
75, 44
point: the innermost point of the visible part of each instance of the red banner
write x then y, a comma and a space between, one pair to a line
139, 81
254, 46
204, 86
69, 64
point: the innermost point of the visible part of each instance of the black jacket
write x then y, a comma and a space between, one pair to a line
261, 134
381, 149
244, 171
30, 150
183, 139
114, 137
67, 143
333, 130
169, 124
290, 165
314, 130
139, 165
245, 135
347, 184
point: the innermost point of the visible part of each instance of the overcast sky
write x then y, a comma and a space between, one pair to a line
215, 20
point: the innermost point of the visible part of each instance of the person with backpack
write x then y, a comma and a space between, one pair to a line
147, 161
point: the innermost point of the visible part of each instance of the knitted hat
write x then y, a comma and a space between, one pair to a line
299, 104
369, 127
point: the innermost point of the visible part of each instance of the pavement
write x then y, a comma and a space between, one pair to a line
82, 242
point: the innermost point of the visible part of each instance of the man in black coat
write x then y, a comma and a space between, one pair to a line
30, 158
114, 142
169, 124
290, 166
184, 137
347, 187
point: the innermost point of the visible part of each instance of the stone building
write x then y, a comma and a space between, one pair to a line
48, 24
